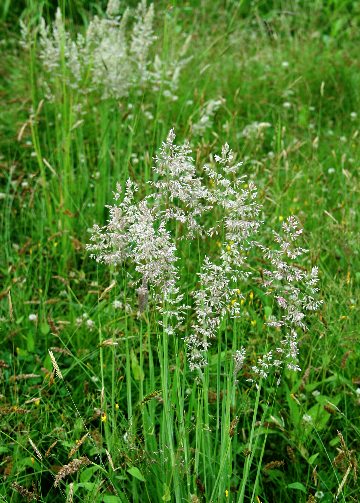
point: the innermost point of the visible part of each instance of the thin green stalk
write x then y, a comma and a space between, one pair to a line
249, 458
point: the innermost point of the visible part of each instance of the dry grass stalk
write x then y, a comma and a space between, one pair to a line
233, 426
71, 468
11, 310
109, 342
47, 453
36, 450
346, 461
70, 496
28, 495
13, 409
22, 377
150, 396
273, 465
56, 366
107, 290
291, 453
33, 400
63, 351
110, 460
78, 445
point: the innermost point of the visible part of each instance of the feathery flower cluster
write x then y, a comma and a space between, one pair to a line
111, 58
136, 233
178, 187
254, 130
206, 116
140, 232
294, 290
219, 283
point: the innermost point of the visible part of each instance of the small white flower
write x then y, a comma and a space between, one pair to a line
319, 495
148, 115
285, 64
331, 171
117, 304
33, 317
307, 418
287, 104
343, 139
90, 324
357, 391
353, 116
316, 393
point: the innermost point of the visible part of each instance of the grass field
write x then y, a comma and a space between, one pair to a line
181, 351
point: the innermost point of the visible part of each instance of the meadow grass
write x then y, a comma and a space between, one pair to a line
124, 419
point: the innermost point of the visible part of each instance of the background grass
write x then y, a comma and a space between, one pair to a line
294, 65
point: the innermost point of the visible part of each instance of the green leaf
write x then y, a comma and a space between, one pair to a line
319, 415
44, 328
135, 472
312, 458
135, 367
167, 495
297, 486
109, 498
89, 486
267, 312
86, 474
30, 343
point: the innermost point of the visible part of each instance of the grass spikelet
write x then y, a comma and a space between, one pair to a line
25, 493
78, 445
55, 365
73, 467
36, 450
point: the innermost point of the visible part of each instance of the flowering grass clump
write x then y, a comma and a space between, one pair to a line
148, 235
111, 59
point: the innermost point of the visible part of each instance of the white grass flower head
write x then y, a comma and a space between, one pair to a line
112, 57
294, 289
239, 358
142, 38
178, 181
255, 130
113, 8
206, 116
